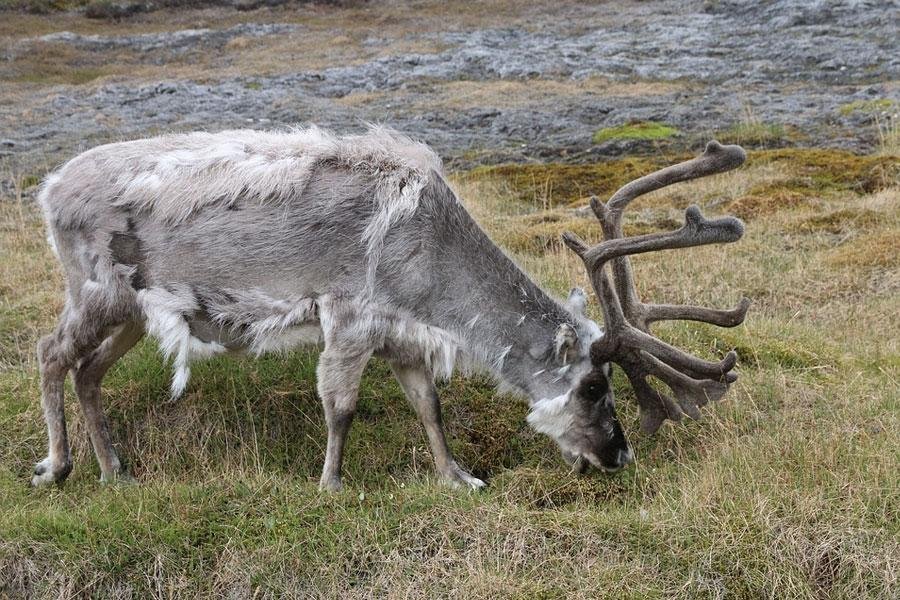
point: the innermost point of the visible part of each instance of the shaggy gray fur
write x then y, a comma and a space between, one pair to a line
246, 240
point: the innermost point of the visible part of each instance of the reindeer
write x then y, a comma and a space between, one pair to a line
261, 241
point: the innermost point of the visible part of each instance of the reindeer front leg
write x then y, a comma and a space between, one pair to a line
338, 374
418, 385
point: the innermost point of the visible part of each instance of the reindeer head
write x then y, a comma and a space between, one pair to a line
583, 421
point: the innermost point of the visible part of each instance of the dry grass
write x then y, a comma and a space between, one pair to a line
465, 95
874, 250
786, 489
888, 129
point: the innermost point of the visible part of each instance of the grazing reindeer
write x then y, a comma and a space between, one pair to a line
246, 240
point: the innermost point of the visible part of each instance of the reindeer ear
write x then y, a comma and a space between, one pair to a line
565, 343
577, 301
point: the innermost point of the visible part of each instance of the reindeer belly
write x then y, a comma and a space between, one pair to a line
288, 338
191, 322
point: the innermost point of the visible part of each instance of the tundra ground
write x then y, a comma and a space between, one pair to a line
788, 488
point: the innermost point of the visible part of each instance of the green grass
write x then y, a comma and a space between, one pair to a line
786, 489
642, 130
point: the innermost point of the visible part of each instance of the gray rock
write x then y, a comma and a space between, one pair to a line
172, 41
790, 62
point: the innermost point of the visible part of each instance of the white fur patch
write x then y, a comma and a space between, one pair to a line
165, 313
265, 324
176, 175
565, 342
42, 198
550, 416
288, 339
497, 363
577, 301
438, 347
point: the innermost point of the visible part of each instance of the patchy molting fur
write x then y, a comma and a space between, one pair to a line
260, 241
175, 176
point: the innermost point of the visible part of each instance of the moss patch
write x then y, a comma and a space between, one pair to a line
867, 106
828, 170
811, 173
641, 130
554, 184
62, 75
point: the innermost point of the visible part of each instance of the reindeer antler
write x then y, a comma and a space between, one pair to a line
627, 340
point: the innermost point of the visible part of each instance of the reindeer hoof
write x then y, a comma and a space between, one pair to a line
456, 477
46, 472
332, 485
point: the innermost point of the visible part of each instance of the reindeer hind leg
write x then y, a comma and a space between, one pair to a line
88, 375
54, 360
57, 353
84, 324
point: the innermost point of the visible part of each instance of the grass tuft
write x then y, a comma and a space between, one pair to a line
755, 205
753, 133
552, 184
880, 249
838, 221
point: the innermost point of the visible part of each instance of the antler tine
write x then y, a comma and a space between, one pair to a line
696, 231
690, 393
655, 406
613, 316
678, 312
715, 159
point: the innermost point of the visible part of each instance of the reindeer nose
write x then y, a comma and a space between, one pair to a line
625, 457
